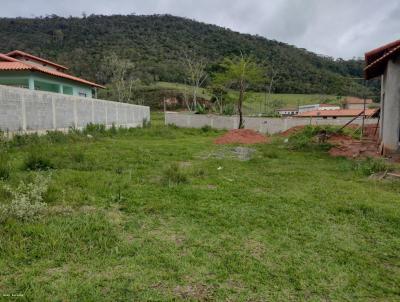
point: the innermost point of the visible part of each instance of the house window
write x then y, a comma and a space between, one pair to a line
67, 90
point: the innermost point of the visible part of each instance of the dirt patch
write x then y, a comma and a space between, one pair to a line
225, 152
198, 292
243, 153
241, 136
349, 147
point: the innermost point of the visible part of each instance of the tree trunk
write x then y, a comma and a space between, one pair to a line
240, 103
195, 98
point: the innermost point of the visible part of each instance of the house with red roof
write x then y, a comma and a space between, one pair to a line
384, 63
21, 69
351, 102
313, 107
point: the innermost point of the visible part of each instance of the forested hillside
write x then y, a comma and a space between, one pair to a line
156, 45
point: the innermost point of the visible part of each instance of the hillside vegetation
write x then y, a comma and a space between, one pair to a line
156, 45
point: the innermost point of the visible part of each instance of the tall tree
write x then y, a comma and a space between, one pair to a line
195, 68
238, 73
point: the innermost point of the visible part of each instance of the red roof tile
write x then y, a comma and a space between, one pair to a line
14, 64
355, 100
337, 113
16, 53
377, 59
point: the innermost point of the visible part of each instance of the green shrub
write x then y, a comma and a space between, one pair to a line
308, 138
146, 123
206, 128
37, 160
5, 168
56, 137
94, 129
113, 129
26, 200
78, 156
20, 140
5, 171
229, 109
370, 166
173, 175
200, 109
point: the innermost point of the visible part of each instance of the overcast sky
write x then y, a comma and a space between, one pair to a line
338, 28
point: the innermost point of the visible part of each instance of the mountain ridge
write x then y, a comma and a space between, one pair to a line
156, 43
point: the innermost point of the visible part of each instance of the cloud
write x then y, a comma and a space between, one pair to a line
339, 28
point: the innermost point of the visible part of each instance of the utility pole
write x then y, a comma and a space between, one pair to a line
363, 119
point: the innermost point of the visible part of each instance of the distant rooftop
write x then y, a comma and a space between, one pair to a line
338, 113
355, 100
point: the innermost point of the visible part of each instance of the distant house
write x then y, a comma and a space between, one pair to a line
356, 103
287, 111
384, 62
24, 70
338, 113
313, 107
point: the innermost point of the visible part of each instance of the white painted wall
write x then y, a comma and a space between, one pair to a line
263, 125
29, 110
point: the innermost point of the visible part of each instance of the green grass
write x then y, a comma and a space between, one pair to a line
283, 226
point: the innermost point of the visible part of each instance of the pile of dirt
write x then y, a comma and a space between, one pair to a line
241, 136
352, 148
291, 131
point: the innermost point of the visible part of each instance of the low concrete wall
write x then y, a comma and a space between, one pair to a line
29, 111
263, 125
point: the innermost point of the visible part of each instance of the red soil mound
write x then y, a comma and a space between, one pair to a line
291, 131
241, 136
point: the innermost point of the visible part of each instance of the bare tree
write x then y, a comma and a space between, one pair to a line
119, 72
195, 68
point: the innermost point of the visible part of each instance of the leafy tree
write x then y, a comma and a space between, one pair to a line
239, 72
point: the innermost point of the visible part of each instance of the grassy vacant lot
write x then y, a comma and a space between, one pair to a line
161, 214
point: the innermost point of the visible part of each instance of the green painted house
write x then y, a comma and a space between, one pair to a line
20, 69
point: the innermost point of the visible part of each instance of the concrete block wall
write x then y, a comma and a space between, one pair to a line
28, 110
390, 113
263, 125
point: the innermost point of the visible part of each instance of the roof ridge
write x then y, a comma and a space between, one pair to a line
22, 53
